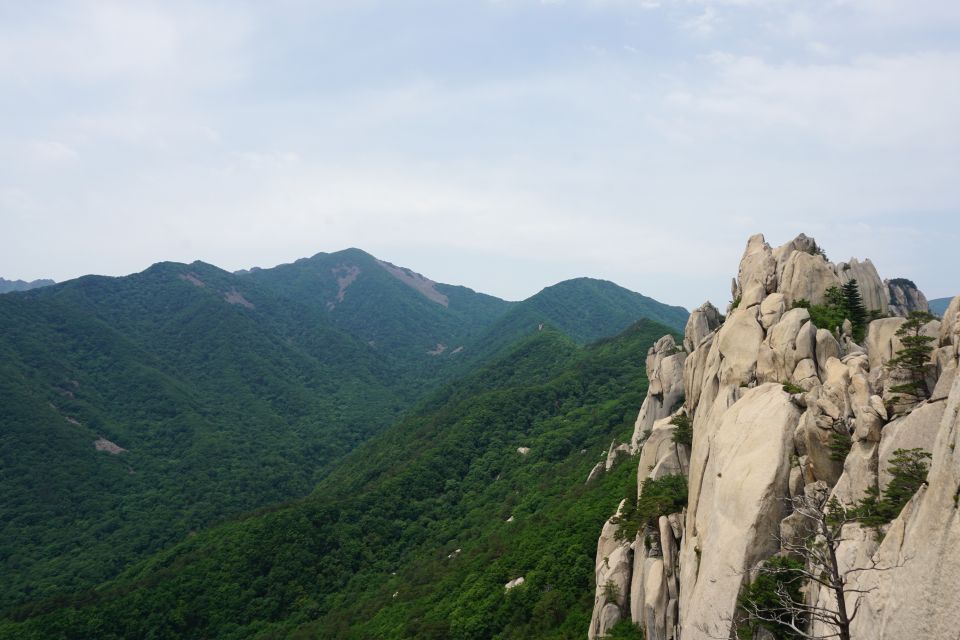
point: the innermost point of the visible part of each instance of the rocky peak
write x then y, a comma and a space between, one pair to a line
770, 395
800, 270
905, 297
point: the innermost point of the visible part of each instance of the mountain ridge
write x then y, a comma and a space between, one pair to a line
210, 393
6, 286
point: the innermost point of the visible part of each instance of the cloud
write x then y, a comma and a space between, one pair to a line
873, 101
704, 23
144, 43
464, 130
49, 152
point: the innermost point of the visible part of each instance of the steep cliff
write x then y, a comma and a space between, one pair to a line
905, 297
782, 408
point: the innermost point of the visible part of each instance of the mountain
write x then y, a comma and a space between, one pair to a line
584, 309
394, 309
939, 305
137, 411
417, 532
7, 286
444, 321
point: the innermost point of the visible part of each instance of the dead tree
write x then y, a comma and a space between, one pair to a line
819, 532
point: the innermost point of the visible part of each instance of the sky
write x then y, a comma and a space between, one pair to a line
502, 145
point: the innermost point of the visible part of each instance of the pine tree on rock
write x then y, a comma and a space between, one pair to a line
913, 360
855, 310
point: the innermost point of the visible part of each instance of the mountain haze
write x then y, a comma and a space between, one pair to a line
939, 305
7, 286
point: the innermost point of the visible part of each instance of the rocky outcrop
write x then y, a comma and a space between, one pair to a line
807, 277
904, 297
660, 455
102, 444
665, 385
613, 573
780, 409
732, 521
516, 582
872, 289
654, 590
703, 321
915, 596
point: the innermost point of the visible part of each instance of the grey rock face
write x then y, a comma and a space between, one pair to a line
905, 297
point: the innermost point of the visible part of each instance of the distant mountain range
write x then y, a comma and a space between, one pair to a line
7, 286
939, 305
137, 411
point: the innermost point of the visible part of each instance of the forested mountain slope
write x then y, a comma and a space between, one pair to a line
218, 405
136, 411
939, 305
416, 533
6, 286
393, 309
585, 309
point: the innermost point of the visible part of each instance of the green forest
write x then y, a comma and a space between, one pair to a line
409, 537
231, 393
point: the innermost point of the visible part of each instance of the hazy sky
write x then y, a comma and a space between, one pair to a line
503, 145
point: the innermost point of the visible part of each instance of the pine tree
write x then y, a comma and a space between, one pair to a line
914, 358
855, 310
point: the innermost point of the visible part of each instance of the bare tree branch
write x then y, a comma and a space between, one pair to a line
820, 535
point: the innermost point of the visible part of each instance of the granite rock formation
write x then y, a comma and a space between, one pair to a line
770, 395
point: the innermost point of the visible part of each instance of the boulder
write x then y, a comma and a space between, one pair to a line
801, 243
882, 342
870, 419
660, 455
805, 375
872, 289
703, 321
614, 453
949, 338
516, 582
609, 616
739, 507
859, 473
944, 383
757, 267
787, 342
818, 429
826, 347
772, 309
656, 598
738, 341
806, 277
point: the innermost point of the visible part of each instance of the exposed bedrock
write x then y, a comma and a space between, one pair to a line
782, 408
